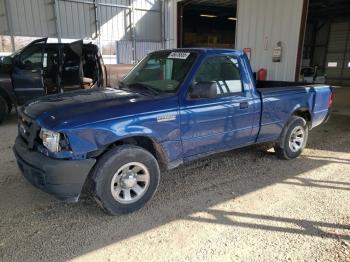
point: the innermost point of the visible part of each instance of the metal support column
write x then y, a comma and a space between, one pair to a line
163, 23
133, 31
10, 25
97, 21
57, 20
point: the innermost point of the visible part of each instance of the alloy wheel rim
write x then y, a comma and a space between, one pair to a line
130, 183
296, 140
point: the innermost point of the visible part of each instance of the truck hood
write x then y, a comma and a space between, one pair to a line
78, 108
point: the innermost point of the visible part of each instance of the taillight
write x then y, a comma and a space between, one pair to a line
330, 99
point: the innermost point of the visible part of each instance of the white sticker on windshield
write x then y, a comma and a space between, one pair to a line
179, 55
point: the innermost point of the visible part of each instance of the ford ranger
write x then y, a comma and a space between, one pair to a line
174, 106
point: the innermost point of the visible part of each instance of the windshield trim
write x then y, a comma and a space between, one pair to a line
148, 88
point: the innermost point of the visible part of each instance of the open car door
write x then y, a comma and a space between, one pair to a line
72, 68
27, 71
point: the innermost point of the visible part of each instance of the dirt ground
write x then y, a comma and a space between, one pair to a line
241, 205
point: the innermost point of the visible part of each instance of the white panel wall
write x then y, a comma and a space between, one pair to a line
263, 23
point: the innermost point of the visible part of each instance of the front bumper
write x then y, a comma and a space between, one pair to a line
62, 178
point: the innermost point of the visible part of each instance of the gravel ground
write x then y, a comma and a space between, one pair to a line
242, 205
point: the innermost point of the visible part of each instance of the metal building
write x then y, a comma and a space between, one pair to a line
126, 30
261, 26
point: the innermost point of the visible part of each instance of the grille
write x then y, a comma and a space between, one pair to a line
27, 129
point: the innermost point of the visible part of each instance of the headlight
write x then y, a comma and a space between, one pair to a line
51, 140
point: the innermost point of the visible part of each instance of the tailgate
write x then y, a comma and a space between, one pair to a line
321, 104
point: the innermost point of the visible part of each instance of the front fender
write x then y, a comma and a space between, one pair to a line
87, 140
100, 135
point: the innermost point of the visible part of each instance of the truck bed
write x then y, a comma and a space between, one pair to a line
270, 85
279, 100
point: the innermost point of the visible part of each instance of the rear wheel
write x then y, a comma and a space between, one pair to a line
4, 109
125, 179
293, 138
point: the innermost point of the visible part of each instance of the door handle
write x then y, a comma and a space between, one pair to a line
35, 70
243, 105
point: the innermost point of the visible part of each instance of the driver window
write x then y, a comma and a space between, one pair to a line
31, 57
224, 71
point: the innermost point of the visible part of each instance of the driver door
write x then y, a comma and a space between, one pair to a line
222, 122
27, 71
72, 66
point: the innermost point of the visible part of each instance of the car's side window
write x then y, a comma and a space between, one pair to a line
31, 57
224, 71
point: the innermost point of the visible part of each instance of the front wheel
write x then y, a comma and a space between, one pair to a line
293, 138
125, 179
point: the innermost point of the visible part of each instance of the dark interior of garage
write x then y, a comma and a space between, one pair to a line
207, 23
326, 53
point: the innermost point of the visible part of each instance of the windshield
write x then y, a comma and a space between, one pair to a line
160, 72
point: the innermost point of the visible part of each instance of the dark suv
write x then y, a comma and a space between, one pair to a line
43, 68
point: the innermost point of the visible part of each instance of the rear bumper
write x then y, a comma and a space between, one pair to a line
63, 179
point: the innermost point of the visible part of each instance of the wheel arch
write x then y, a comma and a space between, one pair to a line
304, 113
150, 144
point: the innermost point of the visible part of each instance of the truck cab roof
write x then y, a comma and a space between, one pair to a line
206, 50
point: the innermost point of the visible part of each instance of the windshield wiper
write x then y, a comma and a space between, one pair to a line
123, 86
139, 87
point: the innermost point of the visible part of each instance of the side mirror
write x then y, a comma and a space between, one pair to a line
203, 90
6, 60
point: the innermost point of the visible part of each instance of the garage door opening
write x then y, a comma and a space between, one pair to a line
204, 23
326, 52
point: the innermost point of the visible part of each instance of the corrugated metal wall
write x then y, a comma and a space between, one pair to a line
3, 20
105, 21
320, 48
261, 24
338, 52
28, 18
124, 49
77, 20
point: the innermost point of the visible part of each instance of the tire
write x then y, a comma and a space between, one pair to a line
4, 109
293, 139
118, 174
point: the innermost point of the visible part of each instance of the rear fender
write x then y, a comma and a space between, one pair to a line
305, 113
299, 110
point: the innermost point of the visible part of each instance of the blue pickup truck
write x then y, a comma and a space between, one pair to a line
174, 106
